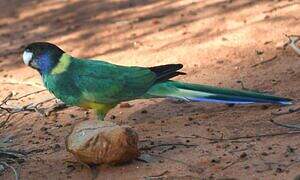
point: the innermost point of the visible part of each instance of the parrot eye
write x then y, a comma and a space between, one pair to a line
27, 56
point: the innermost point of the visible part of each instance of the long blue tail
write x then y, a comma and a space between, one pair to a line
204, 93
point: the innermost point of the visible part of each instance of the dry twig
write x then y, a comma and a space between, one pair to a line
196, 169
250, 136
293, 40
290, 126
13, 81
16, 173
26, 95
7, 110
157, 176
29, 107
289, 111
167, 144
265, 61
231, 164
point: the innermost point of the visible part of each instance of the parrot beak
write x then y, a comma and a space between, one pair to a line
33, 64
28, 59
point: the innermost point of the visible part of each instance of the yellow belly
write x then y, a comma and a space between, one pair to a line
97, 106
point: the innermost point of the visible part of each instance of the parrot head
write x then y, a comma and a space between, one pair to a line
42, 56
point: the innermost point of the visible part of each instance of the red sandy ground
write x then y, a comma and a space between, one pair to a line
217, 41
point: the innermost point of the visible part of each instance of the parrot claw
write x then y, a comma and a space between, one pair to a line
100, 116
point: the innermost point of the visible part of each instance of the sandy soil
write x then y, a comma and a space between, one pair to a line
219, 42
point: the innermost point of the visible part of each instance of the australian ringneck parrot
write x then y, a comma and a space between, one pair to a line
101, 85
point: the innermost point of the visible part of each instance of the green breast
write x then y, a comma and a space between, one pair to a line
63, 88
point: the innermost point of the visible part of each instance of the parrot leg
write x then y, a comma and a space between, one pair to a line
100, 115
102, 110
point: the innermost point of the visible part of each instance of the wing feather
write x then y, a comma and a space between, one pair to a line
103, 82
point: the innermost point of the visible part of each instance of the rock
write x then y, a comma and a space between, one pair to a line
297, 177
146, 158
1, 168
95, 142
144, 111
215, 160
243, 155
125, 105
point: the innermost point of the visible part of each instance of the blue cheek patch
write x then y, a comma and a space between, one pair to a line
45, 63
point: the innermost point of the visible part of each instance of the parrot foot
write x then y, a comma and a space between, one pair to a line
100, 116
101, 110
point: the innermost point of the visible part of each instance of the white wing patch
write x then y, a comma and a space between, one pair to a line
27, 56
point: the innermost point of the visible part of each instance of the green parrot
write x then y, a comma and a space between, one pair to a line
101, 85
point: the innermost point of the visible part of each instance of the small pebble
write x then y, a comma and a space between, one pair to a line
243, 155
279, 170
44, 129
56, 147
125, 105
144, 111
58, 125
72, 116
215, 160
67, 124
289, 149
297, 177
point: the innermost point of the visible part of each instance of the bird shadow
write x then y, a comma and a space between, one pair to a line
112, 25
167, 109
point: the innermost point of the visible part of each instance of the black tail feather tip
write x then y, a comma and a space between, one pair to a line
166, 72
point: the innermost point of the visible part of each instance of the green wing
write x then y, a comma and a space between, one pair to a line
103, 82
